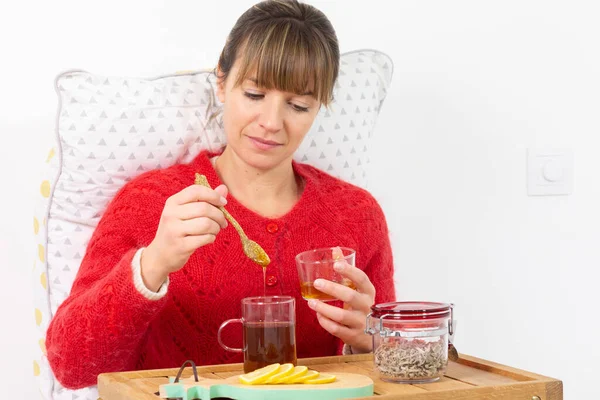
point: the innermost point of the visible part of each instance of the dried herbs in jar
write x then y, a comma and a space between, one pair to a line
410, 340
411, 359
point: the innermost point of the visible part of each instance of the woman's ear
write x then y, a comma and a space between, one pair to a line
220, 85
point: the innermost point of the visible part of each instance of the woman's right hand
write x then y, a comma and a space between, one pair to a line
189, 220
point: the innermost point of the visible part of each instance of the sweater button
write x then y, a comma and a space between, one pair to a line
271, 280
272, 227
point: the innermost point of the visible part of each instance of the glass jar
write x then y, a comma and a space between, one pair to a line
410, 340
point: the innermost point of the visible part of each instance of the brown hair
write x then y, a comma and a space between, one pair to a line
288, 45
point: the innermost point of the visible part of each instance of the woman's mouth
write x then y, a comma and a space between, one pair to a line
263, 144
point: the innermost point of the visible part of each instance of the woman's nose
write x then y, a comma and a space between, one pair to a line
271, 115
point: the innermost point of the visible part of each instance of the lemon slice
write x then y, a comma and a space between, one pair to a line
285, 370
260, 375
297, 372
322, 378
310, 374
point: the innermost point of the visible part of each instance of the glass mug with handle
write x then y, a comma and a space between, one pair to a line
269, 328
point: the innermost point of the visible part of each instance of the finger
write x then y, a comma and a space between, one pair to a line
358, 301
222, 190
337, 314
191, 243
198, 193
200, 209
200, 226
337, 253
356, 275
354, 337
341, 331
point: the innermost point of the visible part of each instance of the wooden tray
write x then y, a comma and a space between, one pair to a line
469, 378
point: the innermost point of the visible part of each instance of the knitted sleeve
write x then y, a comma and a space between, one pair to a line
381, 271
101, 326
374, 248
368, 221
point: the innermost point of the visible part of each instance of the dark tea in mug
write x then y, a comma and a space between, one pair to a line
268, 343
268, 325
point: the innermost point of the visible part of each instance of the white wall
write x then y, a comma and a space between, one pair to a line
476, 83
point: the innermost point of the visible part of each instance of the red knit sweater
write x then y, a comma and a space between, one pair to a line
107, 325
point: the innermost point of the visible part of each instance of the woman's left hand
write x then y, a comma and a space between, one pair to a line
347, 323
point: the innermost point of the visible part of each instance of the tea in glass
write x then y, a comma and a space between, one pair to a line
269, 324
268, 343
318, 263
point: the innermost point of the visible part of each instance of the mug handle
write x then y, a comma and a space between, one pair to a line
223, 345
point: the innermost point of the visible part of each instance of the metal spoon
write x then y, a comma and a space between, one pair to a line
452, 352
251, 248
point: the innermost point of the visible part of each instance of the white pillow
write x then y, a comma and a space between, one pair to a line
111, 129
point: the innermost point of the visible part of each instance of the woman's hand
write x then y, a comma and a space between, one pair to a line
190, 219
347, 323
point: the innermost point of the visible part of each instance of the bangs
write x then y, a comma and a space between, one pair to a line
283, 56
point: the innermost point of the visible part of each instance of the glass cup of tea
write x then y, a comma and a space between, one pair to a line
269, 328
318, 263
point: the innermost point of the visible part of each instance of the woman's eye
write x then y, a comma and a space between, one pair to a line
299, 108
257, 96
254, 96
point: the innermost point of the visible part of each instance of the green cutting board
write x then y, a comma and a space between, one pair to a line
346, 386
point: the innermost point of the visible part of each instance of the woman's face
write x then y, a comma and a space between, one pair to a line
264, 127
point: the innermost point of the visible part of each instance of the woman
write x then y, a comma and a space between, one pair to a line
162, 270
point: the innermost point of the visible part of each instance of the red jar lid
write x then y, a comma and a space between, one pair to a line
412, 310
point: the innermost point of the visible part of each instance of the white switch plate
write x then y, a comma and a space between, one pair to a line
549, 172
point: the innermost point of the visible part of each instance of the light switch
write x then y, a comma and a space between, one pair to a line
549, 172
